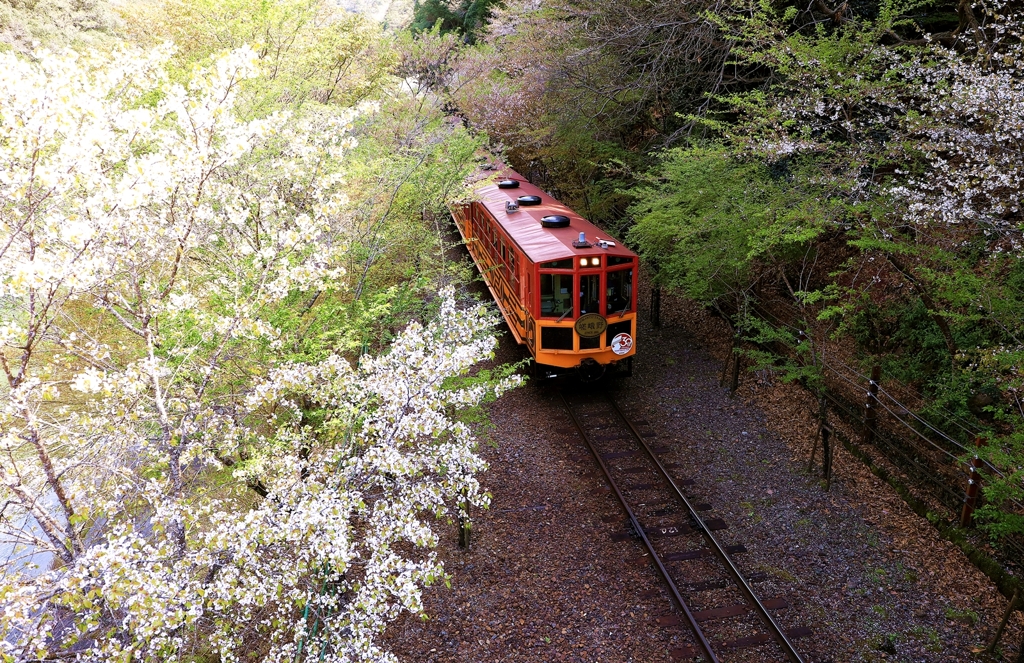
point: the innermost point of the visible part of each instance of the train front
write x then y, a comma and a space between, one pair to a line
585, 313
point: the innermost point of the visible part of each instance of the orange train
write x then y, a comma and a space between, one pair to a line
566, 288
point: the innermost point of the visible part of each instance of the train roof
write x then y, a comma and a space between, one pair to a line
542, 244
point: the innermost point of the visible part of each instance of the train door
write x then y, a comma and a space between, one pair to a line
620, 299
555, 297
590, 302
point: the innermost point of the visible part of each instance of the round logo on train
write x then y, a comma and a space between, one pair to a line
622, 343
591, 325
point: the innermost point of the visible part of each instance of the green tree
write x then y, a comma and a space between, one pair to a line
310, 51
913, 141
715, 224
466, 17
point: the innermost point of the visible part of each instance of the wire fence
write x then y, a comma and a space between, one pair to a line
935, 458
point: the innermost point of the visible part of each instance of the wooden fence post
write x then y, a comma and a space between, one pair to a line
973, 484
821, 423
735, 382
827, 453
871, 407
825, 432
1006, 617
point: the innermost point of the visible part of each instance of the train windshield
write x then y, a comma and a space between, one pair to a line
555, 294
590, 293
620, 291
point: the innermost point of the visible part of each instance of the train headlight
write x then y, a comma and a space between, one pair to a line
596, 262
583, 262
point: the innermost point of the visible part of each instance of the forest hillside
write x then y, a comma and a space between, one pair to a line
243, 375
238, 363
840, 182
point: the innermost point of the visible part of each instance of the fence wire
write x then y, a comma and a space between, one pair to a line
932, 459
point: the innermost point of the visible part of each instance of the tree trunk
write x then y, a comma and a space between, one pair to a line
465, 528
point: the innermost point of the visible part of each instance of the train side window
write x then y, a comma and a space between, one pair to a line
590, 293
619, 260
619, 295
555, 295
557, 264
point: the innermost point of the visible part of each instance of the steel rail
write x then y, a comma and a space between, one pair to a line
697, 631
773, 626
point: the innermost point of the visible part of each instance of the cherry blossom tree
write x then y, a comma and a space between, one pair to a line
919, 141
174, 485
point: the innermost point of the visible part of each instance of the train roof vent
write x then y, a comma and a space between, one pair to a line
508, 184
529, 200
555, 221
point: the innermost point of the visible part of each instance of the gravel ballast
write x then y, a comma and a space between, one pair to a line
544, 581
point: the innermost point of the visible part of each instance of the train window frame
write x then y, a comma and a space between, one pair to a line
599, 289
619, 261
570, 296
568, 264
632, 294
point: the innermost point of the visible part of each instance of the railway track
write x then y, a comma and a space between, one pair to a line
715, 605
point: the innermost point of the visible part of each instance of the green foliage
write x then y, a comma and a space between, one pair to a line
695, 216
937, 303
467, 17
477, 416
409, 163
586, 172
56, 23
904, 337
707, 219
1001, 515
310, 51
966, 615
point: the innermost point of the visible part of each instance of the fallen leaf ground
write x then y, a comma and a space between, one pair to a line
544, 581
